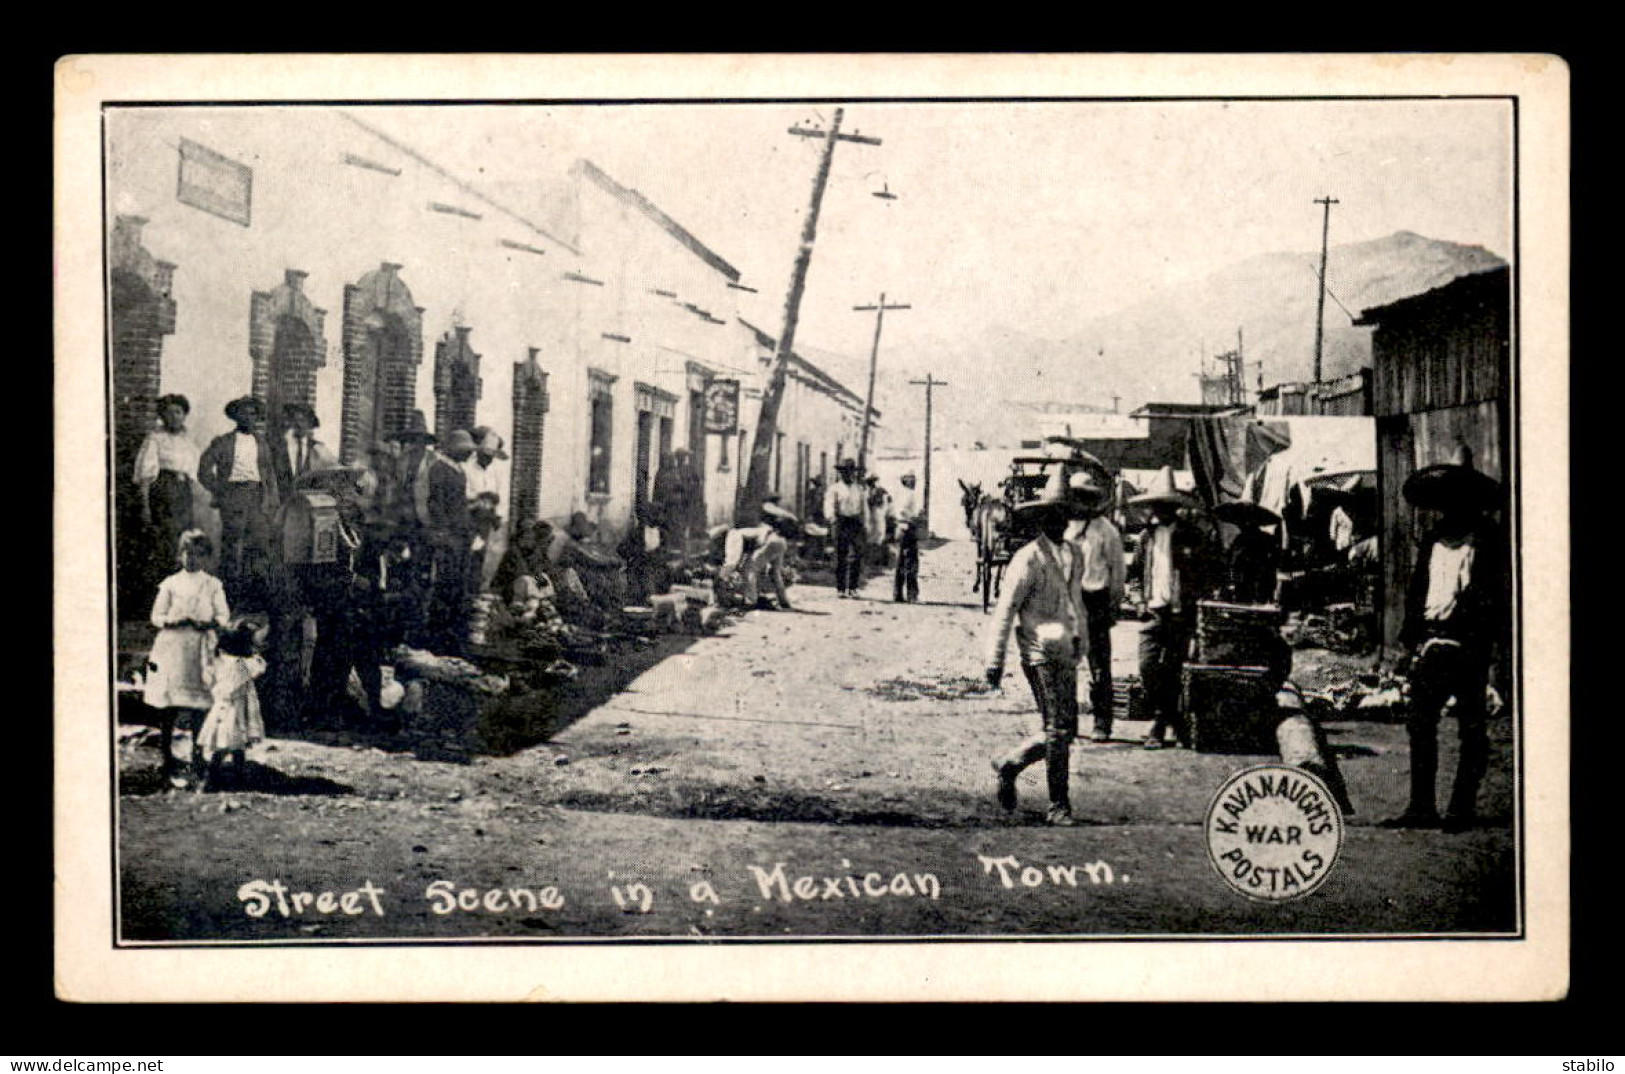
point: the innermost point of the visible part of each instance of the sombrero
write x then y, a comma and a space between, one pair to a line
1452, 484
488, 440
1089, 492
234, 407
1057, 496
302, 408
416, 429
1162, 490
1244, 513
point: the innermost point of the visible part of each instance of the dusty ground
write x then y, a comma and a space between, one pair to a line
845, 739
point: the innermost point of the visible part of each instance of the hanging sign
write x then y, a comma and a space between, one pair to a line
722, 407
214, 183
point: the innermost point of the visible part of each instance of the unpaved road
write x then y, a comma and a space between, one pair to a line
846, 743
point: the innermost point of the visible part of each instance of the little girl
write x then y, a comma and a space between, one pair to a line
234, 721
190, 607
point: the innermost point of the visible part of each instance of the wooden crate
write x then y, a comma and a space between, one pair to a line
1230, 709
1237, 634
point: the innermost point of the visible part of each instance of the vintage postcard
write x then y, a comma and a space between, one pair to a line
788, 527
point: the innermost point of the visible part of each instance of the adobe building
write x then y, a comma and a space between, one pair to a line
308, 254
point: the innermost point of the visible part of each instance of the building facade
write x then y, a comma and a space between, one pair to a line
310, 255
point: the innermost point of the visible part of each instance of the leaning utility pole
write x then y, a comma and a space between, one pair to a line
1320, 295
929, 382
747, 507
879, 309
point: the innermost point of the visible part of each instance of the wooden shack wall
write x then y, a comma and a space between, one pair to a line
1450, 351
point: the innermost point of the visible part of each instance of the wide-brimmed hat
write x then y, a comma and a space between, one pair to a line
236, 406
580, 527
1087, 490
1162, 490
179, 400
1244, 513
302, 408
488, 440
1056, 496
846, 464
1453, 484
416, 429
458, 440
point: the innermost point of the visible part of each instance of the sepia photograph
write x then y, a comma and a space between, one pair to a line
548, 521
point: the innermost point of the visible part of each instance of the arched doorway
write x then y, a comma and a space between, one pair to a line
383, 346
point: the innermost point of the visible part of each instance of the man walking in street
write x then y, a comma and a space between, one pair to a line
1455, 618
909, 513
239, 471
1042, 597
1100, 546
1174, 567
846, 505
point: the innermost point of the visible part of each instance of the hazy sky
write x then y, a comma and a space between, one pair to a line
1034, 216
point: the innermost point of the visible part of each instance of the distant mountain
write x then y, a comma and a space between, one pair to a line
1148, 351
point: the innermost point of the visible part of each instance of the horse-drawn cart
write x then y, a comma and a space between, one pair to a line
994, 523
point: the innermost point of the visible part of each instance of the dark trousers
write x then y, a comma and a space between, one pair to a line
1164, 642
848, 553
1099, 614
169, 502
1055, 691
245, 543
448, 600
1440, 671
907, 583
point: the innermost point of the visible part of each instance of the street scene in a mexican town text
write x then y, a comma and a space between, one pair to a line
1077, 519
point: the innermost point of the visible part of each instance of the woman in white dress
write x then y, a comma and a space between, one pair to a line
190, 608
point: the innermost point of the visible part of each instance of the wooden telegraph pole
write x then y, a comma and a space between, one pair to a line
879, 309
929, 382
1320, 295
748, 506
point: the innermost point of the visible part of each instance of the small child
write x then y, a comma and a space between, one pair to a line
234, 722
190, 607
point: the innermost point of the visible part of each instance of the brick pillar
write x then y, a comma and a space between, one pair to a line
530, 405
456, 383
286, 341
383, 346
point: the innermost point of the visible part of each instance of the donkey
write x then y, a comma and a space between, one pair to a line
986, 519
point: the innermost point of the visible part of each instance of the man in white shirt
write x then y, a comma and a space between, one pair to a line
1042, 598
749, 552
484, 496
1456, 618
240, 473
908, 510
1100, 546
846, 505
299, 452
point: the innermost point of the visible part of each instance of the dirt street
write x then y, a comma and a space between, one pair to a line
821, 772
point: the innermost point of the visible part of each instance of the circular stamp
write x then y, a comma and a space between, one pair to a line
1274, 832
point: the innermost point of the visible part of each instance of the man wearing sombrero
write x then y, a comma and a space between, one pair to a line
846, 505
298, 452
1174, 577
1100, 547
239, 470
1455, 616
1043, 598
